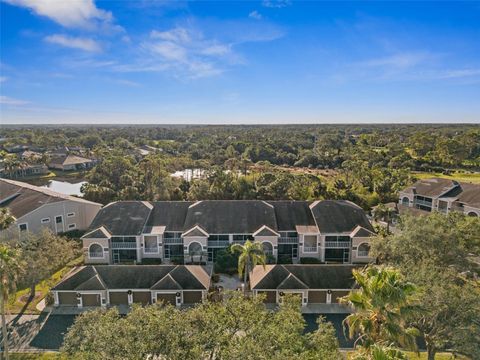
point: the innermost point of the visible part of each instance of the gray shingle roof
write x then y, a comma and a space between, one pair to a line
155, 277
22, 198
302, 276
292, 213
339, 216
122, 218
224, 217
432, 187
170, 214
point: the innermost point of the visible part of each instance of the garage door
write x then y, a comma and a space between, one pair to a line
271, 296
142, 297
67, 298
119, 298
338, 294
192, 297
166, 298
91, 299
317, 297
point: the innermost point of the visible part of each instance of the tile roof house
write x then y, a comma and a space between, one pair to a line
35, 208
130, 231
444, 195
108, 285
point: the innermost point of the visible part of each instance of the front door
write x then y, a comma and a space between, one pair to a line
59, 224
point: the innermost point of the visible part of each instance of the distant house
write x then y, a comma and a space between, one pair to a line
24, 170
15, 149
100, 285
145, 150
444, 195
30, 155
70, 163
194, 232
35, 208
314, 284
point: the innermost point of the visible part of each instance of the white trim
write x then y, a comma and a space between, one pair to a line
265, 227
26, 227
45, 220
185, 233
145, 247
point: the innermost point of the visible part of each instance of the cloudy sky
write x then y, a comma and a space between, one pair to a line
85, 61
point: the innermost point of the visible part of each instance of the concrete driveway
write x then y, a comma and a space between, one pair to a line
38, 332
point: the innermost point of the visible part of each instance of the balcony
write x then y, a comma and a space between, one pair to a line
310, 249
423, 203
173, 241
337, 244
288, 240
362, 253
218, 243
124, 245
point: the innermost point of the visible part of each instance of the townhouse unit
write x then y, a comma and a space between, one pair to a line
314, 284
442, 195
35, 208
194, 232
102, 285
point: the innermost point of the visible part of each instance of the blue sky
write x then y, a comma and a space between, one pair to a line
239, 62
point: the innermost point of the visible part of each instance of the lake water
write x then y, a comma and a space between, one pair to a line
64, 187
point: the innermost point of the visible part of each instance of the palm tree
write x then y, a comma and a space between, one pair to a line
382, 305
251, 254
9, 270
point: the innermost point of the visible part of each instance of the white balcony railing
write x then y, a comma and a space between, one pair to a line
170, 241
337, 244
288, 240
96, 255
218, 243
362, 253
124, 245
151, 250
310, 249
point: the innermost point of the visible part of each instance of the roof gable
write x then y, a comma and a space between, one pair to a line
361, 232
100, 233
195, 231
292, 282
265, 231
166, 283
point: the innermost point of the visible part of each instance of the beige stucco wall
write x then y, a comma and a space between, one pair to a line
84, 215
101, 242
356, 241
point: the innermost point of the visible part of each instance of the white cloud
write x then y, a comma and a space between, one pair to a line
255, 15
5, 100
85, 44
71, 14
399, 61
276, 3
3, 79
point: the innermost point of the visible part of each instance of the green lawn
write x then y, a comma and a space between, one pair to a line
438, 356
459, 176
17, 302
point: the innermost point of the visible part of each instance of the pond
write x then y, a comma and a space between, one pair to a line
70, 186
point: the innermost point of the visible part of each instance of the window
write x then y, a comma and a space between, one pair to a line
218, 237
363, 250
267, 248
71, 214
45, 220
151, 245
23, 227
59, 219
310, 243
72, 226
242, 237
172, 235
95, 251
195, 249
405, 201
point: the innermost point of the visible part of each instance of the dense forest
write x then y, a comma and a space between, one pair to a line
367, 164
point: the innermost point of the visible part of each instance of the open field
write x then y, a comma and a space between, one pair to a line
473, 178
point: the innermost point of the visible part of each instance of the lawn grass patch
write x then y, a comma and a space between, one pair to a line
37, 356
18, 300
458, 176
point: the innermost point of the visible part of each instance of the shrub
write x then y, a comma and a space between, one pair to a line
284, 259
177, 260
215, 278
49, 300
151, 261
226, 262
310, 260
